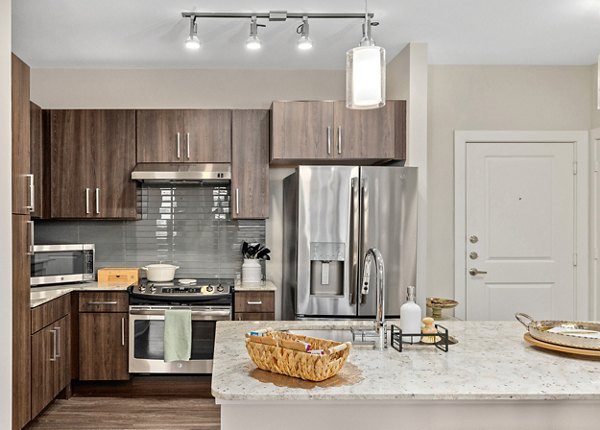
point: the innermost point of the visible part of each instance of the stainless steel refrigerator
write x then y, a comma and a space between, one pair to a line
332, 215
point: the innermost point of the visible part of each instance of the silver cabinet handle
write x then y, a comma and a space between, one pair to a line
103, 303
237, 201
31, 188
178, 145
328, 140
87, 200
98, 200
57, 329
339, 139
31, 237
255, 303
187, 145
53, 358
475, 272
123, 331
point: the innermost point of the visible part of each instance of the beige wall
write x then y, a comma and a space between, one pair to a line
490, 98
5, 216
594, 98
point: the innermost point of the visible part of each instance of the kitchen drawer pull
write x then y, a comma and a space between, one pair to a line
123, 331
53, 358
187, 145
328, 140
178, 145
57, 329
98, 200
87, 200
31, 187
339, 139
255, 303
104, 303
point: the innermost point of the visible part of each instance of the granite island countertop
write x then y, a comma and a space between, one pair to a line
491, 361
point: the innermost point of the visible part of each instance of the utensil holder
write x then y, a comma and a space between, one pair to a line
251, 271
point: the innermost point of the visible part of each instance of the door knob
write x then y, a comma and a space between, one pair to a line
475, 272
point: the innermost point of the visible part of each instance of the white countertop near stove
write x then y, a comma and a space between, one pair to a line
251, 286
41, 295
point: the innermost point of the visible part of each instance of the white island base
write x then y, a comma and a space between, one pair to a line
411, 415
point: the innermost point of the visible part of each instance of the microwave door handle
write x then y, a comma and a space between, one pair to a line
354, 237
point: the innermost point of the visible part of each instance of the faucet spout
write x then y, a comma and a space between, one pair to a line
373, 256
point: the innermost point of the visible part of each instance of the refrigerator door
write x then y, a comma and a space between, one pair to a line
389, 223
325, 248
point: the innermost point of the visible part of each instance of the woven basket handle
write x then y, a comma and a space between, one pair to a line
339, 348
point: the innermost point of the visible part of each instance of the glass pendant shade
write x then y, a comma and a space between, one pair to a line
365, 77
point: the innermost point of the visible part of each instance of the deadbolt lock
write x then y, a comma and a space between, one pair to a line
473, 239
473, 255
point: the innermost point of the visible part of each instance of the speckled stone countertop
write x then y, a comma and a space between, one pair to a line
490, 362
41, 295
249, 286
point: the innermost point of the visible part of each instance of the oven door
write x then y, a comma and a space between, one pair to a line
146, 339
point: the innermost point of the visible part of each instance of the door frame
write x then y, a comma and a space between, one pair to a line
594, 225
582, 227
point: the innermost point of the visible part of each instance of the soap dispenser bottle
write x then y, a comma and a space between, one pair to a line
410, 317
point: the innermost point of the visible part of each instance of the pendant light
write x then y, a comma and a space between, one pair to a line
365, 72
192, 42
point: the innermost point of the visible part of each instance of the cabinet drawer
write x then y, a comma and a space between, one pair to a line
255, 301
50, 312
255, 316
103, 302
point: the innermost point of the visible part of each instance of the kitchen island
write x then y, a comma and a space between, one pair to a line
491, 379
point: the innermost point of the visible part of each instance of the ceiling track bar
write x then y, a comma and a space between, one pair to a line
275, 15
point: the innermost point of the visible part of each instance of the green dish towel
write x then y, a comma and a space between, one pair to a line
178, 335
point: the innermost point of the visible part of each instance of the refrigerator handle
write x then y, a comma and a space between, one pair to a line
362, 298
354, 239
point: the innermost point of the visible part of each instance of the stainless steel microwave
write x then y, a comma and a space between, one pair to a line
57, 264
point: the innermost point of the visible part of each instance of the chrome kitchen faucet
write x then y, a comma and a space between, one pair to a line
374, 256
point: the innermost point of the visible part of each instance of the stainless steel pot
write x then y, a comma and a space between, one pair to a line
539, 331
160, 272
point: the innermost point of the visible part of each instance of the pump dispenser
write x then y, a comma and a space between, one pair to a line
410, 317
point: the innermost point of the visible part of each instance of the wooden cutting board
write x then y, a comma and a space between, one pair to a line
559, 348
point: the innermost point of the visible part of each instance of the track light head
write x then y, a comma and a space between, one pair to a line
253, 42
304, 42
192, 42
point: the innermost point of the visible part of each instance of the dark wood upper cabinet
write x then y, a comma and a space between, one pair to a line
40, 161
250, 164
184, 136
302, 131
22, 181
328, 132
92, 155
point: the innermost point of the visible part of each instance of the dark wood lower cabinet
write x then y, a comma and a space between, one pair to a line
103, 350
50, 363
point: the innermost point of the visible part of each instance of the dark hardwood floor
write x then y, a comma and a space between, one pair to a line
157, 413
144, 402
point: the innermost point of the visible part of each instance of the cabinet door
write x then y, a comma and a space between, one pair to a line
302, 131
40, 162
62, 365
366, 134
113, 154
207, 136
43, 359
72, 180
160, 136
21, 315
21, 194
250, 164
103, 346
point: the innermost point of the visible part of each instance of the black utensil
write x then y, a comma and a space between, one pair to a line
263, 253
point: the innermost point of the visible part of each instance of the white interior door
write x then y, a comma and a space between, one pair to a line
520, 230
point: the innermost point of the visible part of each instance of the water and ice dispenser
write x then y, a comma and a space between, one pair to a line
327, 262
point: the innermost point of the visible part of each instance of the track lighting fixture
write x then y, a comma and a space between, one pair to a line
192, 42
304, 42
253, 42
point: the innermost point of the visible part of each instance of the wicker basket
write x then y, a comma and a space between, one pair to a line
279, 352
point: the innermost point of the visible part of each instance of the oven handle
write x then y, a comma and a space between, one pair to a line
197, 315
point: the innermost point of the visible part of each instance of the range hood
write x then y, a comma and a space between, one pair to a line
209, 173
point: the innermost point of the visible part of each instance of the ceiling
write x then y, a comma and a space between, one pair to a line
151, 33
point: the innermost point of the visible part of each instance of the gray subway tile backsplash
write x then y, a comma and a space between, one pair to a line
187, 225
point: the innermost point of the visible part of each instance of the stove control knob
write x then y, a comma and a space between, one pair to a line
220, 288
153, 289
210, 289
142, 288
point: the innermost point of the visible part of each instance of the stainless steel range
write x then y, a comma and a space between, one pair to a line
210, 300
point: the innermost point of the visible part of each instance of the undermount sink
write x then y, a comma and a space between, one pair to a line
360, 338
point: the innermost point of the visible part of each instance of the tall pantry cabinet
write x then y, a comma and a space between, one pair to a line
22, 244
